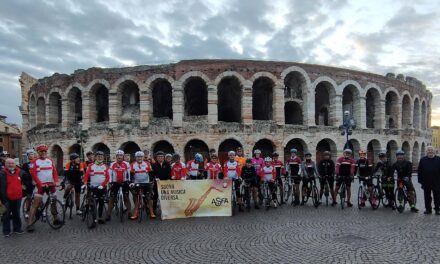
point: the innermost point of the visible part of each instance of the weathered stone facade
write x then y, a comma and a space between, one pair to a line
194, 105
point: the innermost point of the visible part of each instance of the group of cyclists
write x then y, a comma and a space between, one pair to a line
105, 180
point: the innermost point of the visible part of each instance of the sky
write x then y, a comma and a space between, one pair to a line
41, 37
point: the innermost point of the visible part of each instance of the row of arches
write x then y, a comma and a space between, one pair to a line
370, 107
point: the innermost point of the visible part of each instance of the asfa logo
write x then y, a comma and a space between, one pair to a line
220, 201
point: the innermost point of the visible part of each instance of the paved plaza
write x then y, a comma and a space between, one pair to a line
284, 235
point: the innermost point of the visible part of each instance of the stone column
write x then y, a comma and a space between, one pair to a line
278, 105
178, 105
145, 106
212, 105
362, 123
65, 115
309, 108
86, 111
47, 109
337, 111
114, 110
399, 116
380, 115
246, 104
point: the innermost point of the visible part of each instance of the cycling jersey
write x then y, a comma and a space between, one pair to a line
178, 171
309, 169
293, 165
44, 171
258, 164
97, 175
231, 170
363, 167
268, 173
326, 168
119, 172
403, 168
213, 170
279, 168
241, 161
345, 166
193, 168
74, 172
141, 172
249, 174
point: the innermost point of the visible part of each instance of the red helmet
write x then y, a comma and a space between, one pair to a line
41, 147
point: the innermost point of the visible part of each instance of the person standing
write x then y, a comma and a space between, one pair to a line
10, 196
161, 171
429, 178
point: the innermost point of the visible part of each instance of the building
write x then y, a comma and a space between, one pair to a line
10, 138
436, 137
194, 105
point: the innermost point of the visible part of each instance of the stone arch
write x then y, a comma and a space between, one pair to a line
266, 146
296, 85
262, 98
32, 111
373, 150
392, 108
163, 145
325, 105
226, 146
55, 108
130, 147
326, 144
351, 100
230, 93
194, 146
74, 105
415, 154
104, 148
373, 108
162, 96
235, 74
195, 96
293, 113
41, 111
416, 113
407, 149
406, 111
299, 144
128, 97
391, 150
57, 155
423, 120
356, 147
99, 102
422, 150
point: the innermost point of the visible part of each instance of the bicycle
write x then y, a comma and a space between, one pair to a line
364, 195
312, 192
142, 200
51, 207
401, 196
287, 188
326, 190
234, 204
68, 203
246, 194
89, 207
382, 194
119, 204
342, 192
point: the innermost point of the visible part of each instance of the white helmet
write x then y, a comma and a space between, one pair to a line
269, 159
348, 151
139, 154
231, 153
119, 152
30, 151
257, 151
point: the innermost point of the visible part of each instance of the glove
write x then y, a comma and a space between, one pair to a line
131, 185
173, 178
100, 187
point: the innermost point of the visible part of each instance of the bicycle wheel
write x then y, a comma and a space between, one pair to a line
279, 192
247, 199
121, 208
315, 197
83, 207
141, 207
287, 191
91, 215
375, 198
361, 198
326, 192
55, 213
400, 199
23, 207
306, 197
342, 195
384, 197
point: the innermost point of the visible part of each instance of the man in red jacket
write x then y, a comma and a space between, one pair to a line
10, 196
345, 167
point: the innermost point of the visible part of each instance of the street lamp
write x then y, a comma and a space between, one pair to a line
81, 136
347, 129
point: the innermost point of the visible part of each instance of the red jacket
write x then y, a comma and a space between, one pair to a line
345, 166
278, 164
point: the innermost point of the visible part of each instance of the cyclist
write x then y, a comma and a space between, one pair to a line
27, 181
268, 174
294, 168
45, 175
119, 178
178, 169
213, 168
404, 173
169, 158
140, 172
231, 170
193, 166
363, 169
161, 171
258, 163
309, 173
345, 167
280, 171
249, 175
73, 173
384, 168
97, 176
240, 157
147, 157
127, 158
326, 169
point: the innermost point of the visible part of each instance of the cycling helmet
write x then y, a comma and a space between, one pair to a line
119, 152
89, 153
382, 154
248, 160
239, 148
327, 153
348, 151
400, 152
198, 157
362, 152
99, 153
293, 150
139, 154
231, 153
74, 156
268, 159
41, 147
30, 151
308, 154
168, 155
275, 154
176, 156
257, 151
160, 153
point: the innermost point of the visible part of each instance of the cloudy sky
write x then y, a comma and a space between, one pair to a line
41, 37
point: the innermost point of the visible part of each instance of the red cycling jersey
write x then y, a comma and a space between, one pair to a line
178, 171
213, 170
120, 172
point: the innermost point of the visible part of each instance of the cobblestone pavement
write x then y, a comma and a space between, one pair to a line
284, 235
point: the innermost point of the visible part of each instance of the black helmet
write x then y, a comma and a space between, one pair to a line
248, 160
176, 156
99, 152
74, 156
275, 154
160, 153
382, 154
89, 153
308, 154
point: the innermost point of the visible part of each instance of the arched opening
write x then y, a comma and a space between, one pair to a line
416, 154
262, 99
294, 86
74, 105
297, 144
351, 102
416, 114
57, 155
102, 147
293, 113
99, 103
225, 147
423, 121
128, 93
164, 146
32, 108
229, 99
391, 109
266, 146
423, 150
41, 111
326, 145
373, 150
55, 108
162, 99
195, 146
196, 97
406, 112
324, 104
356, 147
130, 148
406, 149
391, 150
372, 106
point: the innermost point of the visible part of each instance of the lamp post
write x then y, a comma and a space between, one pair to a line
347, 129
81, 136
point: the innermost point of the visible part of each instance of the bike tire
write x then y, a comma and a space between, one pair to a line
342, 195
326, 193
23, 207
360, 196
141, 208
121, 209
375, 198
247, 198
59, 208
400, 199
315, 197
287, 191
91, 216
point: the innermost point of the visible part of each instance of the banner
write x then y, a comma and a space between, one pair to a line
195, 198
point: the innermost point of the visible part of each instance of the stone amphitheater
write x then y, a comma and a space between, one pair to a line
195, 105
